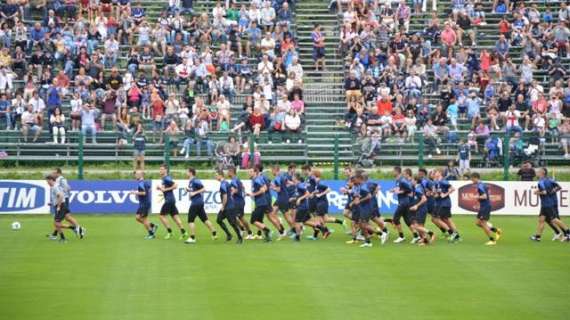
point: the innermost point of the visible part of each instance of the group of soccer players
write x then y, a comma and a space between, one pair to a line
302, 201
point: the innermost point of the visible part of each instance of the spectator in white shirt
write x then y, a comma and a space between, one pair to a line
30, 122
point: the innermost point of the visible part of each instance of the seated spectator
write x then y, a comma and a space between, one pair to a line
293, 124
57, 121
232, 149
482, 133
256, 121
431, 138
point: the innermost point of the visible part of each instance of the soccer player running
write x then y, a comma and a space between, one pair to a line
57, 201
311, 184
362, 199
322, 203
428, 187
484, 212
347, 212
195, 191
237, 192
302, 215
64, 186
442, 190
418, 210
280, 186
167, 188
259, 187
143, 196
558, 234
375, 215
548, 205
403, 190
271, 214
227, 210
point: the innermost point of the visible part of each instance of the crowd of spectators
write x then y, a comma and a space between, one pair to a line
94, 66
431, 82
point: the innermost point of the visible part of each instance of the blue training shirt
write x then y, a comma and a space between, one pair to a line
195, 185
482, 189
546, 200
301, 190
225, 190
404, 185
256, 184
442, 186
168, 195
239, 195
144, 186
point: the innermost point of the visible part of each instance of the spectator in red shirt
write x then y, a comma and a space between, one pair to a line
256, 121
384, 105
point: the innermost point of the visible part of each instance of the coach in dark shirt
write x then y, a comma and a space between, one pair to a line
526, 172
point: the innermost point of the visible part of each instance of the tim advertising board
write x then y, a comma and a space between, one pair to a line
24, 196
507, 198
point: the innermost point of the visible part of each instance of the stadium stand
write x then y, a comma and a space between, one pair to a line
53, 42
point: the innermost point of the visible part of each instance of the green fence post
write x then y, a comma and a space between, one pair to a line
336, 160
167, 151
80, 157
421, 150
506, 158
251, 150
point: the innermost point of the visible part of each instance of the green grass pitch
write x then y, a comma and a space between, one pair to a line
115, 274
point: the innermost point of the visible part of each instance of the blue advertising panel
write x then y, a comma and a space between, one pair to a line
337, 200
103, 196
23, 196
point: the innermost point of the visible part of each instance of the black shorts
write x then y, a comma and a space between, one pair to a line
409, 217
375, 213
143, 209
197, 211
484, 213
443, 212
364, 216
66, 206
312, 205
239, 211
229, 214
556, 213
420, 215
60, 214
322, 208
169, 208
258, 213
548, 213
401, 212
355, 214
302, 216
283, 205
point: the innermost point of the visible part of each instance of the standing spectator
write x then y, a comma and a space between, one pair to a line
318, 47
526, 172
57, 121
109, 109
139, 142
6, 111
464, 156
565, 137
88, 117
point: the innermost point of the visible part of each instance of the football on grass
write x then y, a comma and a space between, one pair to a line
16, 226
